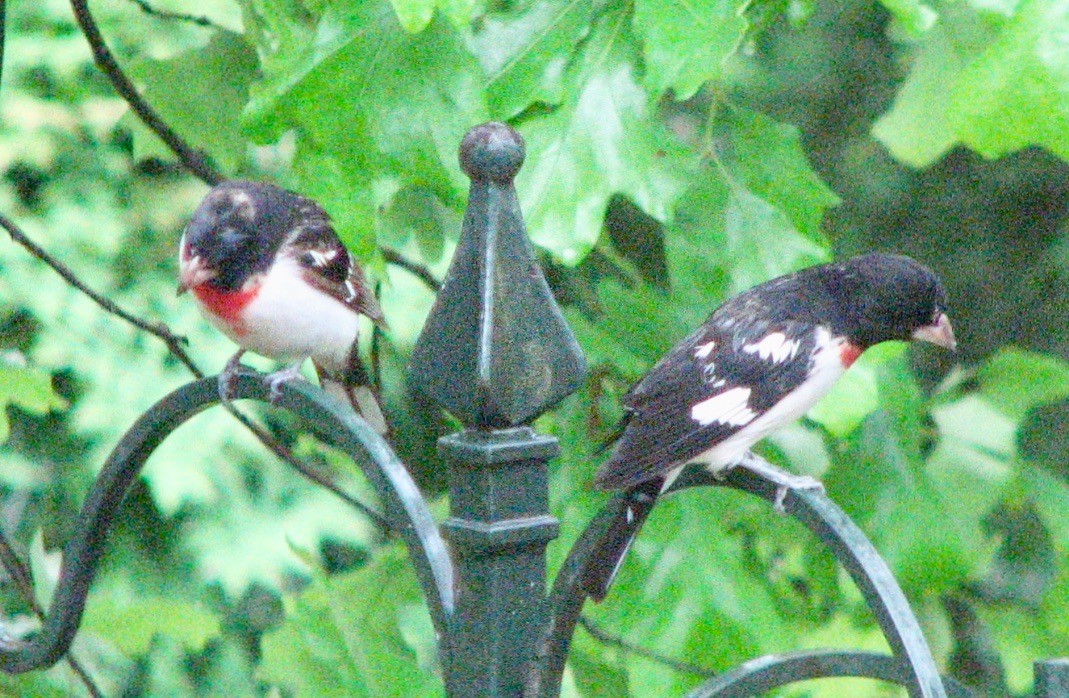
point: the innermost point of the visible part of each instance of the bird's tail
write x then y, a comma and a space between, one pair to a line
353, 385
603, 564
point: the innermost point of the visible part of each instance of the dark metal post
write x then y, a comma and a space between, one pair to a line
496, 352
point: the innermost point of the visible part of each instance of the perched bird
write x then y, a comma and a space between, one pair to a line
760, 361
268, 270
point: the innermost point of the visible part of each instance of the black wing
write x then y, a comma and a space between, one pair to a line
327, 263
724, 355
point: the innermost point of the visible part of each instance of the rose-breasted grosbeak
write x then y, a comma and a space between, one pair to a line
760, 361
268, 270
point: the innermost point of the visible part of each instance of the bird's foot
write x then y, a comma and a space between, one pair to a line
229, 373
784, 481
276, 380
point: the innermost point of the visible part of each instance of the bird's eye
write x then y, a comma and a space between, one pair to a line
308, 259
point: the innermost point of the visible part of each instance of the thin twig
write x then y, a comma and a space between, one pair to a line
280, 450
166, 14
607, 638
19, 572
3, 34
194, 160
176, 345
418, 270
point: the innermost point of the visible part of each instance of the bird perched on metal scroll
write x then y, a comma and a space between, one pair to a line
268, 270
760, 361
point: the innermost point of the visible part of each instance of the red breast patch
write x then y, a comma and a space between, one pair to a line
848, 354
227, 305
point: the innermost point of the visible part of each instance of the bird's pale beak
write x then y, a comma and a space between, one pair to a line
939, 332
193, 274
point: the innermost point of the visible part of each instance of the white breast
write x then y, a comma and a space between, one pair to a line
290, 320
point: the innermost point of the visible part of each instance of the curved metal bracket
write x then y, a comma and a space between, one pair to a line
758, 676
820, 515
328, 418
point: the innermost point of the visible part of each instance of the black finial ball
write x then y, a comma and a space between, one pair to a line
493, 151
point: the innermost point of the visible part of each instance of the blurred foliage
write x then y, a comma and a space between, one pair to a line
676, 153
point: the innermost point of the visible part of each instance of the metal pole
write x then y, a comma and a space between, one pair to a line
496, 352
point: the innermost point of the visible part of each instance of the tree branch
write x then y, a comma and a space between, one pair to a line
19, 572
3, 34
607, 638
164, 14
176, 345
421, 272
193, 160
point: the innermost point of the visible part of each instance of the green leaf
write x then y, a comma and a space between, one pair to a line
27, 388
387, 104
768, 157
605, 139
685, 44
912, 17
351, 635
525, 51
200, 94
414, 15
132, 623
1015, 380
761, 241
993, 79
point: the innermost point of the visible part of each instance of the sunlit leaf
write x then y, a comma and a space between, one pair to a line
525, 51
768, 156
1015, 380
605, 140
131, 624
402, 117
991, 78
27, 388
912, 17
685, 43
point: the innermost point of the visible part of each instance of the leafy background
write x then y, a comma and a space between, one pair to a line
677, 153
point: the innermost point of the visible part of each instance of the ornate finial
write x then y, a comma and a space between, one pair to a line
496, 351
492, 152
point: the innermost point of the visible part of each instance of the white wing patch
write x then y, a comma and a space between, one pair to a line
322, 258
774, 347
704, 350
729, 407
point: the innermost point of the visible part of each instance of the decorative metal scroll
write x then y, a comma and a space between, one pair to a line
914, 667
328, 418
758, 676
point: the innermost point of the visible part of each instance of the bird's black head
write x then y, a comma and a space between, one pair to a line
880, 297
235, 233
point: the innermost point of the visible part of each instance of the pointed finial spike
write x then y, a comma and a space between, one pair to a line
492, 152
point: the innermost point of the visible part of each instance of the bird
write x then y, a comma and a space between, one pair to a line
759, 362
268, 270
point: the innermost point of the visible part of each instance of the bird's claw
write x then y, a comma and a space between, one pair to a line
276, 380
785, 482
798, 482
